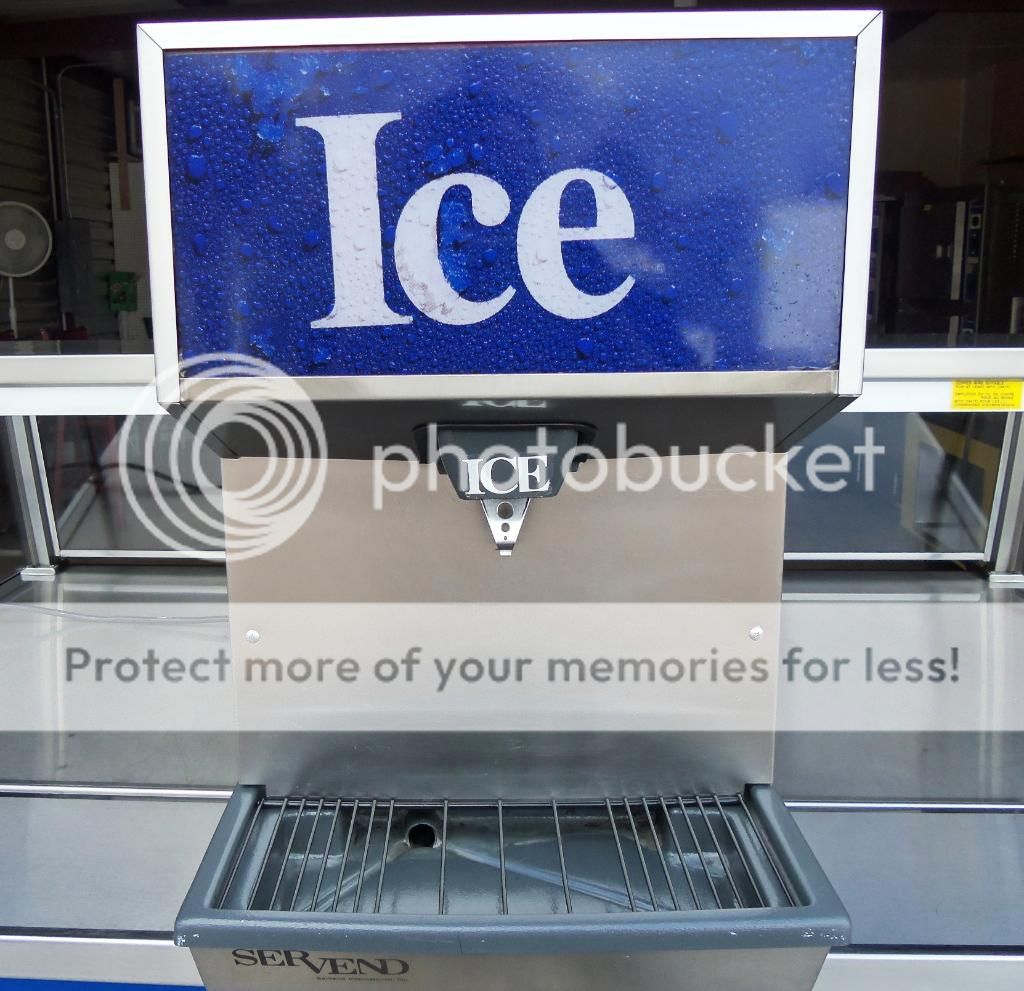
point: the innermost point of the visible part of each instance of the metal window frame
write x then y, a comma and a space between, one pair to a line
1007, 502
907, 370
920, 380
863, 25
24, 370
1005, 548
40, 484
31, 492
69, 385
1006, 522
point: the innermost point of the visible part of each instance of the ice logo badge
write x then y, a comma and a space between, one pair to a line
358, 266
523, 475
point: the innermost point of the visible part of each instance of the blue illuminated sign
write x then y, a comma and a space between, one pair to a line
499, 208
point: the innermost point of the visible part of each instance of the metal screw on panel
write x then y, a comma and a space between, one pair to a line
253, 636
756, 633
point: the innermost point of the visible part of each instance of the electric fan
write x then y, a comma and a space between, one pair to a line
25, 244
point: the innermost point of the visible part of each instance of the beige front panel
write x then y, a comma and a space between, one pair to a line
665, 545
684, 569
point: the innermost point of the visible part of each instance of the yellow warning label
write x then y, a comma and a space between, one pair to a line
986, 394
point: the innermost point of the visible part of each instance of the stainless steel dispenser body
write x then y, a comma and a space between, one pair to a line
680, 575
511, 226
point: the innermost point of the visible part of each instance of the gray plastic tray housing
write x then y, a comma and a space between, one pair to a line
819, 921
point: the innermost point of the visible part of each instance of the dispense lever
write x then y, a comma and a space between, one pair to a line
505, 518
504, 468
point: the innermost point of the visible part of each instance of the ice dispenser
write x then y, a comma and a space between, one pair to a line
535, 306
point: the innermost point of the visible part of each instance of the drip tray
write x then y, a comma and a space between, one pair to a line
300, 887
485, 859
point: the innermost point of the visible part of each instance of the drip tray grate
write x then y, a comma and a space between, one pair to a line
485, 858
611, 876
